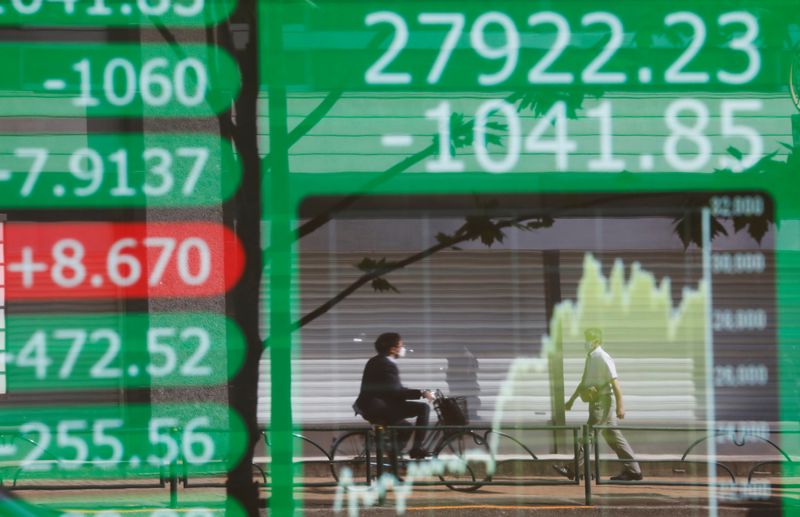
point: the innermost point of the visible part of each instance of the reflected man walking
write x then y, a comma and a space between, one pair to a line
598, 383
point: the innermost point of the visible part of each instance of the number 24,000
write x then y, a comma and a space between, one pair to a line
509, 50
164, 355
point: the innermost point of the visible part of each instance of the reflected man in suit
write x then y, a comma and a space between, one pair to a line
384, 400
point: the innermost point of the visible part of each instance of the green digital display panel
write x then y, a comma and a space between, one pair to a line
123, 80
508, 45
109, 350
425, 144
95, 509
113, 13
487, 179
115, 170
102, 441
517, 87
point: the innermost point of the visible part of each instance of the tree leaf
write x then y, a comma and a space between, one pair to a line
734, 152
382, 285
443, 238
689, 229
367, 264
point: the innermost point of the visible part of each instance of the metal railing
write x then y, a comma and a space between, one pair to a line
721, 471
380, 443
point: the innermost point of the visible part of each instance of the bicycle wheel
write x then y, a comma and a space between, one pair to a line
514, 461
469, 452
350, 452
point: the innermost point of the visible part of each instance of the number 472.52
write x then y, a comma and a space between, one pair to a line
170, 352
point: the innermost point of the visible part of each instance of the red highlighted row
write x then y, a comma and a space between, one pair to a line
120, 260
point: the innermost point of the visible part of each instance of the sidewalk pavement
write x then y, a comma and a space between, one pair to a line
607, 500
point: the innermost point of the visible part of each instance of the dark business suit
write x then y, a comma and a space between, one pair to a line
384, 400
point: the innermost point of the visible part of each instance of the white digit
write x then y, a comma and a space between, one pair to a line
64, 440
606, 162
99, 9
375, 74
129, 82
157, 10
39, 156
167, 245
41, 444
561, 145
675, 73
693, 133
160, 169
86, 165
200, 155
203, 260
22, 8
78, 338
191, 438
85, 99
508, 51
181, 79
102, 439
154, 347
456, 23
513, 139
191, 367
64, 261
537, 74
117, 258
34, 354
591, 75
156, 438
729, 129
69, 5
151, 79
101, 369
444, 162
192, 9
120, 159
745, 44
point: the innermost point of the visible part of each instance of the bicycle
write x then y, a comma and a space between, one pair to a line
358, 451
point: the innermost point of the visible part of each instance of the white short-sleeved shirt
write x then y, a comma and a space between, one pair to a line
600, 368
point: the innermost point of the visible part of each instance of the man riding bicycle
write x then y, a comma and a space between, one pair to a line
384, 400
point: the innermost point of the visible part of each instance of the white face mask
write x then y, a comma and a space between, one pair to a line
401, 352
588, 347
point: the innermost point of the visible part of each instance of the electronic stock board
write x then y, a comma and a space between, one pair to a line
165, 162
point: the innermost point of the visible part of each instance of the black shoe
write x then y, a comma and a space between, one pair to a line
564, 471
628, 476
418, 453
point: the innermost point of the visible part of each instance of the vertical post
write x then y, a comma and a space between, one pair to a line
243, 214
555, 359
587, 471
277, 211
379, 462
173, 475
368, 455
